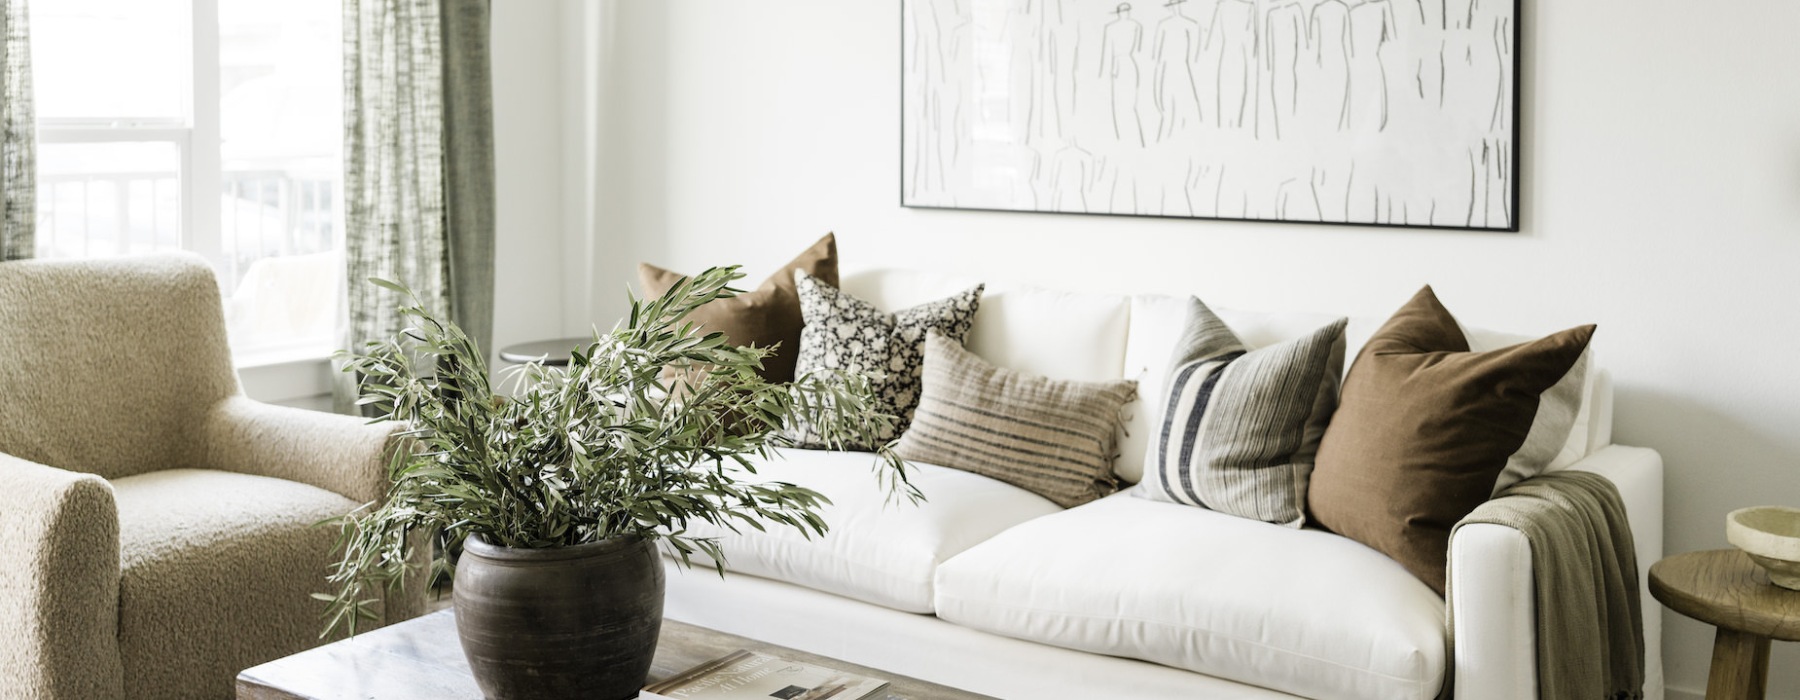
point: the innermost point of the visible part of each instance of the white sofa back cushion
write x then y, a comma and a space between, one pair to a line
1577, 444
1056, 334
1069, 335
1156, 322
897, 289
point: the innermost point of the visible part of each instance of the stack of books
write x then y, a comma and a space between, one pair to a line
747, 675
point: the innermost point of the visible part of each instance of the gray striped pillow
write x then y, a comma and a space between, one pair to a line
1240, 427
1053, 438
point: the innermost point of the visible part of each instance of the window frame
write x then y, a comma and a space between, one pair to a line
198, 139
196, 136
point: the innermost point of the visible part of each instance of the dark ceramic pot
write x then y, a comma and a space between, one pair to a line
571, 622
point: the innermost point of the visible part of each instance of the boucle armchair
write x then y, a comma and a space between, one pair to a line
157, 534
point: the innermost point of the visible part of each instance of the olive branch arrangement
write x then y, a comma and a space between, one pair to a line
651, 427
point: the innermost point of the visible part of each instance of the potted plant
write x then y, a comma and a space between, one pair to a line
557, 494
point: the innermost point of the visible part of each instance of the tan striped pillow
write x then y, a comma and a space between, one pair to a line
1053, 438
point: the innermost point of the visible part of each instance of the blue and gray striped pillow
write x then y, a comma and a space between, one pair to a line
1240, 427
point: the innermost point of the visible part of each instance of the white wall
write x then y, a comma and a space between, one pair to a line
1661, 200
528, 161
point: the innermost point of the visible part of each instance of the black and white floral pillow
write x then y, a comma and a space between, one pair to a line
848, 334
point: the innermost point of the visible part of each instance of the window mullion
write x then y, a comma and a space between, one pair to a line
202, 233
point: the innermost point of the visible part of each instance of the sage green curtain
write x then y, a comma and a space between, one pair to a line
18, 136
418, 164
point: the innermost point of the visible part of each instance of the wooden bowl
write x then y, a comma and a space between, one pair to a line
1771, 536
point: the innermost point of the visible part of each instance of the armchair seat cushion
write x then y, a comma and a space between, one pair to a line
217, 572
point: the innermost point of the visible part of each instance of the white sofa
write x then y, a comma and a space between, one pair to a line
993, 589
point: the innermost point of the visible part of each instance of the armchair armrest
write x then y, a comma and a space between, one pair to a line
342, 454
1496, 638
59, 589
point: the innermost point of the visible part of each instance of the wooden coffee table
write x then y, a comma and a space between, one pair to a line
422, 658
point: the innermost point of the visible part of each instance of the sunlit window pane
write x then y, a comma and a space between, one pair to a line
111, 59
127, 131
280, 109
102, 199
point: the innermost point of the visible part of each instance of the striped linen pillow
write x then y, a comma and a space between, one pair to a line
1240, 427
1053, 438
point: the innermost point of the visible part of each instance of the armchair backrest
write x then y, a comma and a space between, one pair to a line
109, 366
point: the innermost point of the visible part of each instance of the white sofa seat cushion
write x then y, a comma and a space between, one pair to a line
1299, 611
878, 552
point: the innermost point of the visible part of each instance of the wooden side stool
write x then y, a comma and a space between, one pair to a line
1723, 588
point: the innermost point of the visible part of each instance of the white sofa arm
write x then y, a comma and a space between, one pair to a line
1496, 637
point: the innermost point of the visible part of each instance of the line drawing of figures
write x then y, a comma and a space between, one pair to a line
1284, 40
1118, 196
1397, 112
1020, 33
1480, 161
1174, 52
1499, 174
1458, 55
1190, 183
1022, 168
926, 72
1371, 28
1477, 101
1497, 190
1329, 199
1119, 43
1432, 20
1328, 87
1431, 60
1073, 171
1407, 64
1503, 64
1057, 52
1362, 198
957, 71
1297, 201
1233, 29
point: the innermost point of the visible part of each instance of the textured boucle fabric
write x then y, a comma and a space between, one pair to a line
190, 539
59, 589
341, 454
110, 364
119, 370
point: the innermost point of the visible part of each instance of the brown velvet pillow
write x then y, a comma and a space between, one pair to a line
762, 317
1424, 428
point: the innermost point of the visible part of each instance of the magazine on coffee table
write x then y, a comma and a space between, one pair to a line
747, 675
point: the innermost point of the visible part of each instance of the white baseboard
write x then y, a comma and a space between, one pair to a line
1679, 694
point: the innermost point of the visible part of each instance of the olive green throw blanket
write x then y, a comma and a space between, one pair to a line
1590, 625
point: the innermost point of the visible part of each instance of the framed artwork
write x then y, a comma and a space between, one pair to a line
1373, 112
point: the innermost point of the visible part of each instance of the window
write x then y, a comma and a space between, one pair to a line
213, 126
